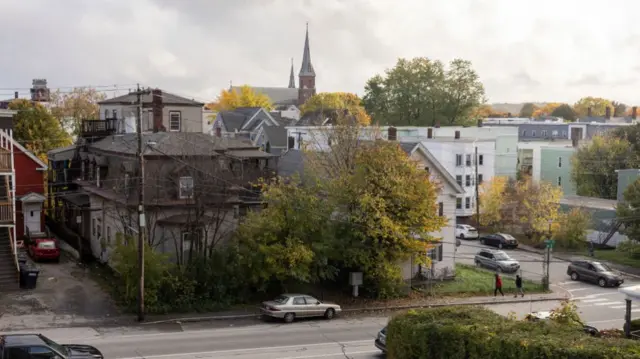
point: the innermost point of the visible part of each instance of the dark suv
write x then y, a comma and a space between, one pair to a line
28, 346
595, 272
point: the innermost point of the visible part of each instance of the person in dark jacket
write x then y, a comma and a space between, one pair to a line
498, 286
519, 289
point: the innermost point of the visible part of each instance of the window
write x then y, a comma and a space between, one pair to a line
480, 178
468, 160
236, 211
459, 179
458, 160
94, 226
435, 253
467, 202
467, 180
554, 133
458, 203
97, 176
533, 133
311, 300
524, 133
106, 114
299, 301
559, 162
90, 171
82, 170
559, 181
114, 113
427, 169
175, 121
480, 160
17, 353
564, 134
543, 133
186, 187
126, 183
440, 209
99, 231
108, 234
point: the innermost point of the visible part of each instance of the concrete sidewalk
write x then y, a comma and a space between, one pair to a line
568, 256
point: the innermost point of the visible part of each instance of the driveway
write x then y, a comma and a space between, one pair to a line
65, 295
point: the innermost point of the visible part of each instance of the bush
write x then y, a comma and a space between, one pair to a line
477, 333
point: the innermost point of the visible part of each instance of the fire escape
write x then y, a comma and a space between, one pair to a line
9, 269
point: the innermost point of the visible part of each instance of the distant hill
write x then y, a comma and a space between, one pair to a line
514, 108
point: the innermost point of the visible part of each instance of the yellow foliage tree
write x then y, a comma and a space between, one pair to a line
337, 101
598, 106
537, 207
492, 201
546, 110
244, 97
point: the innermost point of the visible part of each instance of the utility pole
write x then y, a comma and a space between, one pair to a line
546, 263
141, 218
477, 191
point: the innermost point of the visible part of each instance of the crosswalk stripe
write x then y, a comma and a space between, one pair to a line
575, 290
593, 300
607, 303
565, 283
618, 307
635, 310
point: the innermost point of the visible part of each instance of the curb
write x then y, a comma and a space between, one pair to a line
361, 310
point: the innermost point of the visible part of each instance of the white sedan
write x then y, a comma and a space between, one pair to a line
465, 231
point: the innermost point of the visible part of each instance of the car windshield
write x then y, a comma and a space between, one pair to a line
384, 331
601, 267
470, 228
507, 236
55, 346
501, 256
281, 299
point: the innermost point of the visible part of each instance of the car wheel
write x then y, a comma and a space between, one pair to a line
289, 317
461, 236
500, 245
574, 276
602, 282
478, 263
329, 314
481, 240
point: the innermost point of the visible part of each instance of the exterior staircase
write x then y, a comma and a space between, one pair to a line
9, 276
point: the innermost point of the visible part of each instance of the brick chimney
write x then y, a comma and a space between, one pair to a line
479, 122
456, 135
589, 111
15, 94
392, 134
437, 124
156, 107
607, 113
634, 112
430, 132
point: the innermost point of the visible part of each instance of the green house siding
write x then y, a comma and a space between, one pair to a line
625, 178
555, 167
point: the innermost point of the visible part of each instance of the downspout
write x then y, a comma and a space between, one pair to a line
13, 195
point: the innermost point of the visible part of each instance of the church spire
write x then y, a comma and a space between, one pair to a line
307, 67
292, 77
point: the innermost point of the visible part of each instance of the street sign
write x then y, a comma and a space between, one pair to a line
550, 243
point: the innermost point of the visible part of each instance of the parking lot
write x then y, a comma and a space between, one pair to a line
65, 294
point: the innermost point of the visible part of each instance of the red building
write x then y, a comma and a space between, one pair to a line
30, 190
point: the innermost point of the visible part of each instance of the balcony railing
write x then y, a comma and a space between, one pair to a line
99, 127
5, 161
6, 212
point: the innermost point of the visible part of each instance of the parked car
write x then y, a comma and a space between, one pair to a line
44, 248
38, 346
465, 231
500, 240
381, 340
291, 306
595, 272
496, 260
540, 316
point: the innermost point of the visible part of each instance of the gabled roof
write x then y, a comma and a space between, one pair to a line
277, 135
33, 197
412, 147
278, 95
231, 120
167, 99
34, 158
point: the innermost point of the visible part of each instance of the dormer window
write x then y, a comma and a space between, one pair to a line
185, 187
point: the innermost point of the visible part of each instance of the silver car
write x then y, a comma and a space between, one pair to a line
291, 306
496, 260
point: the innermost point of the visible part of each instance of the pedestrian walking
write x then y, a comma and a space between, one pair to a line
519, 289
498, 286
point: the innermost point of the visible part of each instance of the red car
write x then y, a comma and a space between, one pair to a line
44, 248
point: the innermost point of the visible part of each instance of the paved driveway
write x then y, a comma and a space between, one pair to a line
65, 294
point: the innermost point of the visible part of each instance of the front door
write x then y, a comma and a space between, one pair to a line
31, 212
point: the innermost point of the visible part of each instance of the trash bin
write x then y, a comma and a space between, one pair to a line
22, 275
30, 277
22, 259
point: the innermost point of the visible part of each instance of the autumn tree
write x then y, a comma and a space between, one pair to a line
619, 109
628, 211
243, 97
492, 202
37, 129
572, 230
70, 108
594, 166
564, 111
527, 110
545, 110
598, 106
423, 92
537, 207
327, 101
486, 111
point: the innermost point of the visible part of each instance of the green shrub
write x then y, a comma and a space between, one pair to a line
477, 333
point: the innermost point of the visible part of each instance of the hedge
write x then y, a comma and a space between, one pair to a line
478, 333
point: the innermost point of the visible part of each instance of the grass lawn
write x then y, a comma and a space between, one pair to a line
614, 256
472, 281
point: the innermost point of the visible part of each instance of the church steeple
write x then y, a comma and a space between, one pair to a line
292, 77
307, 67
307, 76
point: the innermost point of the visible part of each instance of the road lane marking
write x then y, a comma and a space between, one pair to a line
592, 300
565, 283
607, 303
596, 295
242, 351
619, 307
575, 290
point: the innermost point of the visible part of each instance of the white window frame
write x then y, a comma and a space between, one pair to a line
467, 181
171, 127
459, 163
533, 133
543, 133
480, 160
559, 181
480, 178
524, 133
182, 184
458, 203
467, 160
459, 182
467, 202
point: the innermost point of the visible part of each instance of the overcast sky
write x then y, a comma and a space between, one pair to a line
525, 50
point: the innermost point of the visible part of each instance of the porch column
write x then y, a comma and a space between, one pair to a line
627, 319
